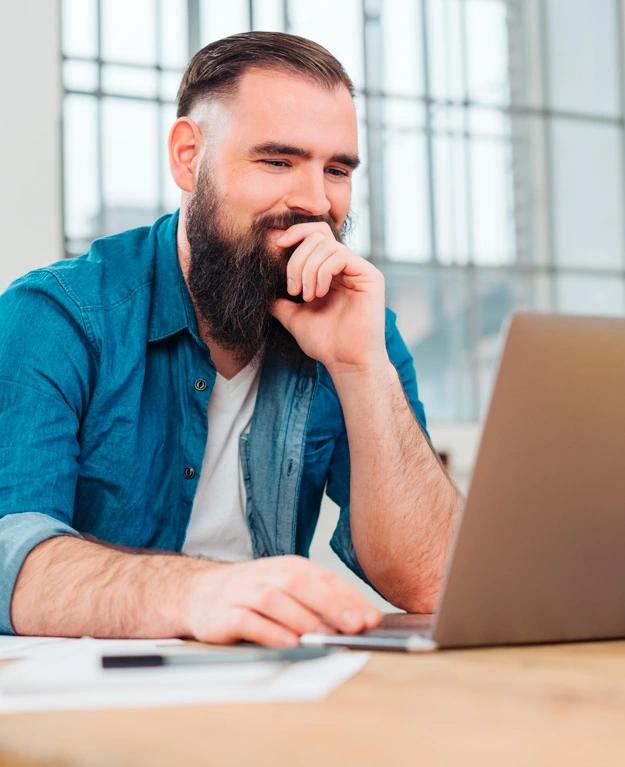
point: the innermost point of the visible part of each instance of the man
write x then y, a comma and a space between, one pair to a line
126, 512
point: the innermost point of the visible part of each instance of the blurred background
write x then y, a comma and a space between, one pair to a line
492, 134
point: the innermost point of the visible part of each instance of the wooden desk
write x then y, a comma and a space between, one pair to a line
547, 705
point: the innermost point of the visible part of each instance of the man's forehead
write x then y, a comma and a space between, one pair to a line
283, 108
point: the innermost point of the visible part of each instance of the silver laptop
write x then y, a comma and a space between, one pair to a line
539, 553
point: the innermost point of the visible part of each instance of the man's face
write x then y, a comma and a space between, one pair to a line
250, 142
280, 153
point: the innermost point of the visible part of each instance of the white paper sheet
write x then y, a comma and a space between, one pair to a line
58, 676
14, 647
19, 647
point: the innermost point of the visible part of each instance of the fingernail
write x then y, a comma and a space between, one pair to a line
289, 641
290, 285
305, 291
350, 620
372, 617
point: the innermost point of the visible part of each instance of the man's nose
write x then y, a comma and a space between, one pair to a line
308, 195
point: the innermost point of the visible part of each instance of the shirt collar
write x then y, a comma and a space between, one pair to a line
172, 309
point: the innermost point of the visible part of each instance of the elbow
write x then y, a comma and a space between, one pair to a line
406, 590
416, 603
413, 598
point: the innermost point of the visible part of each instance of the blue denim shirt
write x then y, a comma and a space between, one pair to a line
101, 420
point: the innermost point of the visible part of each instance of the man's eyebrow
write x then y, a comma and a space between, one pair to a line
273, 147
351, 160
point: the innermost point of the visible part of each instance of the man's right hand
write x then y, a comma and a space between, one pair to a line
273, 601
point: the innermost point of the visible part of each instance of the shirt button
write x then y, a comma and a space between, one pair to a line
189, 473
200, 384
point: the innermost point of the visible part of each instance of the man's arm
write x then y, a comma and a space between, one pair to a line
72, 587
52, 582
402, 504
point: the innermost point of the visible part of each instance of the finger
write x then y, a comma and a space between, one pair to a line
351, 271
316, 572
297, 232
326, 628
281, 608
332, 598
328, 270
243, 623
284, 310
349, 615
344, 263
320, 255
298, 259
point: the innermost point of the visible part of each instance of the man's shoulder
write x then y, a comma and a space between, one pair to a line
112, 271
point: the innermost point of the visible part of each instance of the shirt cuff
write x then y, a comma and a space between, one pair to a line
19, 534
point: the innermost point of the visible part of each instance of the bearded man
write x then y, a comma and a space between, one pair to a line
175, 402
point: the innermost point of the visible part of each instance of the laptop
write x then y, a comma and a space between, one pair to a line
539, 552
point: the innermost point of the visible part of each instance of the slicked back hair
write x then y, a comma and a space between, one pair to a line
215, 70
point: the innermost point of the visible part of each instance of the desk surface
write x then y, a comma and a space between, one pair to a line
547, 705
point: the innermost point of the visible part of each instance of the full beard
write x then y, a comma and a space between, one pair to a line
235, 278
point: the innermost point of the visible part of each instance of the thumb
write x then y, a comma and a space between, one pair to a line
284, 311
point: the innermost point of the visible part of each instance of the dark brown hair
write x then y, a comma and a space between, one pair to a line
216, 69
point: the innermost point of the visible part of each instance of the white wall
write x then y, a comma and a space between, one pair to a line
30, 138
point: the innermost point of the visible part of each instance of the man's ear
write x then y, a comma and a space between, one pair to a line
185, 146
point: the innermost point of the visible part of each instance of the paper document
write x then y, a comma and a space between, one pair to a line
68, 674
19, 647
13, 647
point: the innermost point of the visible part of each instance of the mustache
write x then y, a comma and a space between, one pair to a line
290, 218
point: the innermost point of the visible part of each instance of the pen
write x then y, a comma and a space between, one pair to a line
214, 658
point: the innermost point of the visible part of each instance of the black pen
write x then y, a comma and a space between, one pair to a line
215, 658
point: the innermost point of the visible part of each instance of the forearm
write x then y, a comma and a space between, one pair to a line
72, 587
402, 503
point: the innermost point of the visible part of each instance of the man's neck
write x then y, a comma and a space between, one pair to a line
225, 362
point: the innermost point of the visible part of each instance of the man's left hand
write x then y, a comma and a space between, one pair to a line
341, 322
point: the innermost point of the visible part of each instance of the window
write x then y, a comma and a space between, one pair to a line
491, 133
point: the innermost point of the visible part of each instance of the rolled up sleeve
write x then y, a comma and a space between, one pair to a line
47, 366
339, 471
19, 534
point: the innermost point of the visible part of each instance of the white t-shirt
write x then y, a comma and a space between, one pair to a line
218, 526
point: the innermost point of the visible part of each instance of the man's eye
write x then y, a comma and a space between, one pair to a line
276, 163
337, 172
